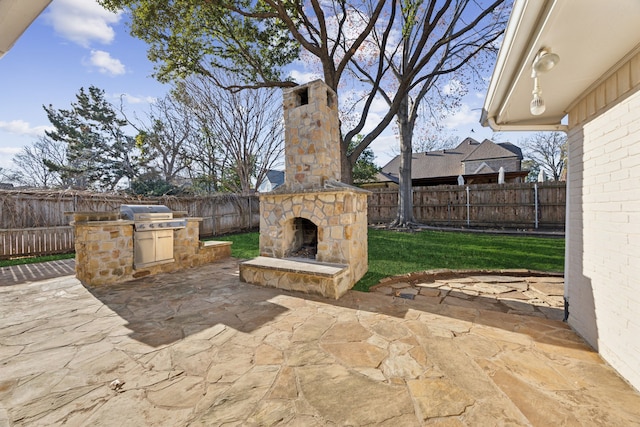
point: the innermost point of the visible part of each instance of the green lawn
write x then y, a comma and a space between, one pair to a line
392, 253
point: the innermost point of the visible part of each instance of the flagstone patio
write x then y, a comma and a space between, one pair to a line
199, 347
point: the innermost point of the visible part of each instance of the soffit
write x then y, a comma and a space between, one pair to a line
15, 17
590, 36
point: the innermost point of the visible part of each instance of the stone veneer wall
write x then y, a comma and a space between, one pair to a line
339, 215
104, 249
312, 136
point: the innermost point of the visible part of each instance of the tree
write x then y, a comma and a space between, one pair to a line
7, 177
242, 130
534, 169
99, 153
31, 163
364, 170
423, 43
254, 40
549, 151
257, 39
164, 138
152, 184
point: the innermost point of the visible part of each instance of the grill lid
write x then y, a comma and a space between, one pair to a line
132, 212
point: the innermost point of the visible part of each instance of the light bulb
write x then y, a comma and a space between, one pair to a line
537, 105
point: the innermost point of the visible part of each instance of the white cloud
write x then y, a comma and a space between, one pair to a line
105, 63
132, 99
385, 148
379, 105
465, 116
20, 127
6, 156
453, 87
10, 151
82, 21
302, 77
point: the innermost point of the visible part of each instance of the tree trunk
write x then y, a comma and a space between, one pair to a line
346, 165
404, 218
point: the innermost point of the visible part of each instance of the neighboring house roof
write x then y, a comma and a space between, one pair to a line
513, 148
15, 18
589, 36
490, 150
385, 177
449, 163
274, 179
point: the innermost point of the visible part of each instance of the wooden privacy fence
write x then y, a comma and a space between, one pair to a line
35, 223
526, 205
36, 241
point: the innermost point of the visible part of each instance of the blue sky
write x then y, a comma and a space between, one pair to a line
73, 44
76, 43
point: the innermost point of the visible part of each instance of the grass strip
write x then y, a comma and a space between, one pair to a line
34, 260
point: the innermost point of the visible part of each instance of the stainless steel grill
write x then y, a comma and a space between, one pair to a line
153, 233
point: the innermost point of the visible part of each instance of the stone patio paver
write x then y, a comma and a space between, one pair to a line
201, 348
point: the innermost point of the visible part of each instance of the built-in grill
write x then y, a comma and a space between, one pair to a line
153, 233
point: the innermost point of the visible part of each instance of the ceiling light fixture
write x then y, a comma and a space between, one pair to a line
543, 62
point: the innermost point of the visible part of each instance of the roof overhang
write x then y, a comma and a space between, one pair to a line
590, 36
15, 17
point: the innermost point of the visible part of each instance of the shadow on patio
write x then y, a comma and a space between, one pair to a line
166, 308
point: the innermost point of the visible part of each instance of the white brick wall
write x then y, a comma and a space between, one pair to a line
603, 220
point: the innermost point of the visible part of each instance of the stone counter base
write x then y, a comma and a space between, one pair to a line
104, 251
328, 280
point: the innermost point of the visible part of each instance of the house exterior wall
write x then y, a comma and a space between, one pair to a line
603, 219
509, 165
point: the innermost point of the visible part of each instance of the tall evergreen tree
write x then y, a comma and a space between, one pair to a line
99, 153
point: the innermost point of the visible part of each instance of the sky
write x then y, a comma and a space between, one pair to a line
76, 43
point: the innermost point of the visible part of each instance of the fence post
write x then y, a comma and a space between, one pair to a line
535, 196
468, 203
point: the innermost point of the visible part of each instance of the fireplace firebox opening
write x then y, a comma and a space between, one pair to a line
305, 239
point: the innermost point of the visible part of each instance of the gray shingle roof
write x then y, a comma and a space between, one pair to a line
490, 150
449, 162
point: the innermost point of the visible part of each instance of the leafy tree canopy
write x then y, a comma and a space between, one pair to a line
364, 169
190, 37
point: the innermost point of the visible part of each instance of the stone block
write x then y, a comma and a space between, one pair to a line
314, 278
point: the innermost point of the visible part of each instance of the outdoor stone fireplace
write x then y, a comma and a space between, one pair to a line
313, 229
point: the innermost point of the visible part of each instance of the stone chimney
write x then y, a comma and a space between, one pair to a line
312, 136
